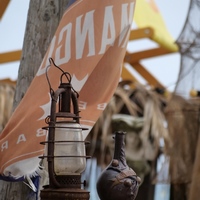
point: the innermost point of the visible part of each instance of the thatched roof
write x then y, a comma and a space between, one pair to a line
6, 101
139, 112
183, 123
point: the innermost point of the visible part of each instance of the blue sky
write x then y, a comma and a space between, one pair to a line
164, 68
12, 27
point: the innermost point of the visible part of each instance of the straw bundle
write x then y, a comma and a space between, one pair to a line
6, 101
183, 123
139, 113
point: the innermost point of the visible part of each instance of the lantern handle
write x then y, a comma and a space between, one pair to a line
67, 75
48, 81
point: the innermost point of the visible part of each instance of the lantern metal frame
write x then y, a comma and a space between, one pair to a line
66, 97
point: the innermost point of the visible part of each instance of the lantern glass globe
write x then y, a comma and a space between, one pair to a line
72, 146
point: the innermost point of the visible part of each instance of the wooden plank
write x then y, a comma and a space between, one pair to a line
147, 75
141, 33
3, 6
127, 75
133, 58
10, 56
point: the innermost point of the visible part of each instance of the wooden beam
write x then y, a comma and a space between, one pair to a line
10, 56
141, 33
133, 58
3, 6
127, 75
147, 75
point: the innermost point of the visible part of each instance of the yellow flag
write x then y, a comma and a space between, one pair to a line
147, 15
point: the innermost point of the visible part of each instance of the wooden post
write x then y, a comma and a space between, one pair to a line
42, 21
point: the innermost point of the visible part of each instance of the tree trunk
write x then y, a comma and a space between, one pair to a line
42, 21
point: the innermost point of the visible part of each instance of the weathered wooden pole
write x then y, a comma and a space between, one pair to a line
42, 21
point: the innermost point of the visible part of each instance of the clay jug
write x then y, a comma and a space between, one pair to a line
118, 181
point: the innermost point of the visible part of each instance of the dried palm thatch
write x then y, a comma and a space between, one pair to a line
183, 123
138, 112
6, 101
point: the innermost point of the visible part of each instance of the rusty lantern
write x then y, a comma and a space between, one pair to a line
66, 155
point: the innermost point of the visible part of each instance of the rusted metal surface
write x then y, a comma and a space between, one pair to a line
62, 186
64, 194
